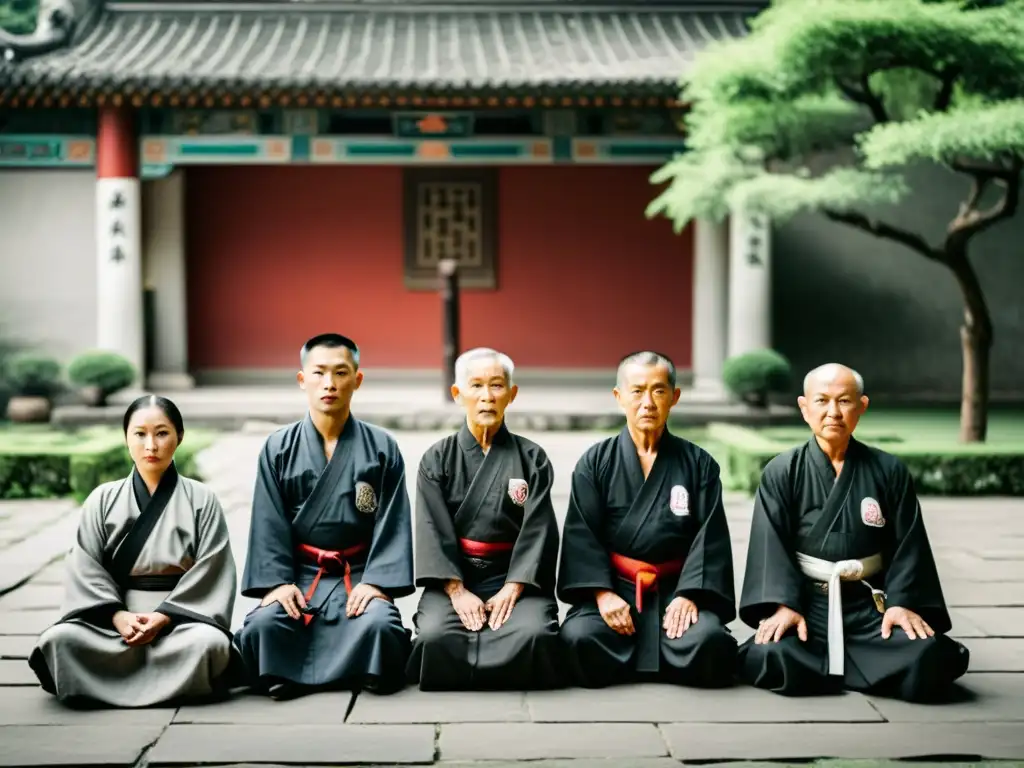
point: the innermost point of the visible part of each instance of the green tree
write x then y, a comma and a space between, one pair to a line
885, 84
18, 16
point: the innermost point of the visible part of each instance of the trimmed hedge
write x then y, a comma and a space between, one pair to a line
938, 469
46, 465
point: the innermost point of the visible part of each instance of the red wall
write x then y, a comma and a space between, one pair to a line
278, 254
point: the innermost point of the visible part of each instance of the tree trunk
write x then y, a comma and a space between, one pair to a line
976, 343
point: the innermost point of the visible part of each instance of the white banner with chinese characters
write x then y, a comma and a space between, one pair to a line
120, 323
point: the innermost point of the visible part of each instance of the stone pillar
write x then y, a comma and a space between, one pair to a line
749, 283
119, 326
710, 303
164, 246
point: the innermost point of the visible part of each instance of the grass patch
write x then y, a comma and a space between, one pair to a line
39, 462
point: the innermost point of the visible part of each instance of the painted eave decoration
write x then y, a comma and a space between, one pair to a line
372, 53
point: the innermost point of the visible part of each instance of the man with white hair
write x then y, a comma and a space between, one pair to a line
646, 559
486, 547
841, 584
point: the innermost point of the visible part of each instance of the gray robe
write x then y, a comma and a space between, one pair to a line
171, 556
358, 499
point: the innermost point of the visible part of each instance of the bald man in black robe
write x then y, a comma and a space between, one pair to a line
841, 583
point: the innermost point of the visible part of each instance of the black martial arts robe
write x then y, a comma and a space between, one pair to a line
486, 520
802, 509
356, 501
675, 515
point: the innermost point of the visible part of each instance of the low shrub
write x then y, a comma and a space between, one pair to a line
107, 371
33, 375
753, 376
938, 469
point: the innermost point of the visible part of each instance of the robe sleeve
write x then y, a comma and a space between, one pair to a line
437, 548
389, 565
536, 546
707, 576
771, 577
270, 561
90, 592
912, 578
584, 564
206, 592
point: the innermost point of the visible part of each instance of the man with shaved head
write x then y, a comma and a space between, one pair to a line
646, 561
841, 584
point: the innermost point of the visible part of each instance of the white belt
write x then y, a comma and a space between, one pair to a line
832, 574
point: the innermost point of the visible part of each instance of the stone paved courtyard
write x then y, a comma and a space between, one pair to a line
980, 549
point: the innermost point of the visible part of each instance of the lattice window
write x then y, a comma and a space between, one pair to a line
449, 214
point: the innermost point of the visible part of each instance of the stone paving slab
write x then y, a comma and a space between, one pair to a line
670, 704
328, 708
49, 575
16, 672
996, 622
801, 741
50, 745
414, 706
994, 593
996, 654
532, 741
990, 697
26, 622
33, 706
21, 561
33, 598
16, 646
302, 744
963, 626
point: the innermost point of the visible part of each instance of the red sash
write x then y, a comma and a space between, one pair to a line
472, 548
645, 575
328, 560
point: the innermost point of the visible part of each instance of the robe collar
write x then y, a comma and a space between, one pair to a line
822, 462
469, 444
142, 495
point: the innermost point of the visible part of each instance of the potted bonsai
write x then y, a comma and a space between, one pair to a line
34, 379
751, 377
99, 374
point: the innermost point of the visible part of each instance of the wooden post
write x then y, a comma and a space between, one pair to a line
448, 273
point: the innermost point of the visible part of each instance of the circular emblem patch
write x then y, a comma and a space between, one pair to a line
366, 500
679, 501
518, 490
871, 513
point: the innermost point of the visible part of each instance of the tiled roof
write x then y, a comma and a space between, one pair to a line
238, 47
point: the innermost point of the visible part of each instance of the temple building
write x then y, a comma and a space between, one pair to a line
201, 186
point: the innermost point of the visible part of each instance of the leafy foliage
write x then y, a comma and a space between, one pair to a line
19, 16
888, 81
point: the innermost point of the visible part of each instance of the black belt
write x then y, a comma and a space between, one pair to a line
150, 583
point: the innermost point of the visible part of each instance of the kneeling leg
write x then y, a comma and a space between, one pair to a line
703, 656
596, 655
920, 670
440, 655
791, 667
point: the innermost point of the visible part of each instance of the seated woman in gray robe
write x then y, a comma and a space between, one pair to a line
149, 584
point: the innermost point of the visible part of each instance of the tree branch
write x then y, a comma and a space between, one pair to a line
864, 95
886, 231
945, 94
971, 221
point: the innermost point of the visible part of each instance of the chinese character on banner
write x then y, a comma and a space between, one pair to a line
117, 255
